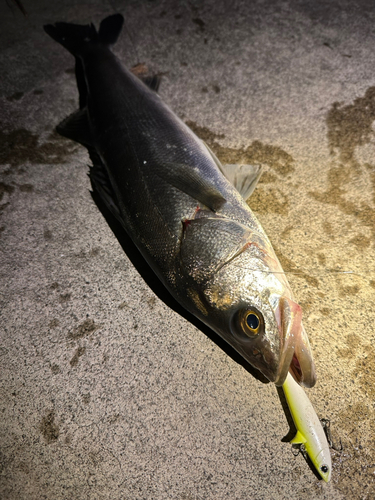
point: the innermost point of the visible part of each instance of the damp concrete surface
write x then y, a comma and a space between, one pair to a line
106, 391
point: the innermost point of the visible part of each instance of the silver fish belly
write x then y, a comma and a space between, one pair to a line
183, 209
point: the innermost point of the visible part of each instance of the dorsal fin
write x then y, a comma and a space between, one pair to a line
76, 127
102, 187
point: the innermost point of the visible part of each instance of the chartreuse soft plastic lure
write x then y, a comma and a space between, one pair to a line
310, 433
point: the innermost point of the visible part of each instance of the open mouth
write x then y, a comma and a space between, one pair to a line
296, 352
299, 362
295, 368
302, 365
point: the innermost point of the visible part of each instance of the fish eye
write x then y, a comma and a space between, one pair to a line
251, 322
324, 468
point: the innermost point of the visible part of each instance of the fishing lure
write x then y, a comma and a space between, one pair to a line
310, 432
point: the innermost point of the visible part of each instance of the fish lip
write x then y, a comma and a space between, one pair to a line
302, 367
296, 355
300, 364
284, 366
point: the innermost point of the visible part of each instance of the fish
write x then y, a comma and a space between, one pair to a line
186, 212
310, 432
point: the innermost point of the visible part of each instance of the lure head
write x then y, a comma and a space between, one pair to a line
324, 469
240, 291
319, 455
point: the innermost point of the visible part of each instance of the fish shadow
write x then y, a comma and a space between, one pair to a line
159, 289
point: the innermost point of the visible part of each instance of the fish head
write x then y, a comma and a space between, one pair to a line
252, 308
238, 288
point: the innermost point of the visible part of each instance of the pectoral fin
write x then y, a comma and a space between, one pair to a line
191, 182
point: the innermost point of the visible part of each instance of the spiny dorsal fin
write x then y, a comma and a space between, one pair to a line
101, 185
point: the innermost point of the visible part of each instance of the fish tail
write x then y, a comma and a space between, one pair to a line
110, 28
74, 37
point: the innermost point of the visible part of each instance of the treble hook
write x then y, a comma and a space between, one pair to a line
326, 424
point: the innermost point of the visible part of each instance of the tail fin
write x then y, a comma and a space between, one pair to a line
74, 36
110, 29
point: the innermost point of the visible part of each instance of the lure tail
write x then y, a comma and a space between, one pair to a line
74, 37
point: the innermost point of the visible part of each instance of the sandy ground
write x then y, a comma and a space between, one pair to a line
106, 391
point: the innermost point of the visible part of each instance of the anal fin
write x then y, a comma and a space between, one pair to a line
153, 82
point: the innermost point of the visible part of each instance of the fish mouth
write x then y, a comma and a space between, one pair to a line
296, 355
302, 366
